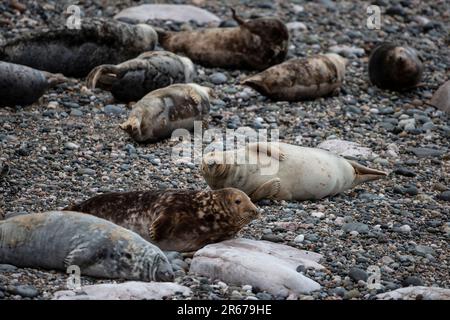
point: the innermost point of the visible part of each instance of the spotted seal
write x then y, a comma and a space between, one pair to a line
179, 220
56, 240
133, 79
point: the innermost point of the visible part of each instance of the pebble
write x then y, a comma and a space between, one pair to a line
402, 171
299, 238
71, 146
218, 78
358, 274
445, 196
412, 281
356, 226
114, 109
405, 228
26, 291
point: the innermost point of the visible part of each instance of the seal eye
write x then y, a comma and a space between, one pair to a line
238, 201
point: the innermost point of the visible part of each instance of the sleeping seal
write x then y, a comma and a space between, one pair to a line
160, 112
56, 240
302, 173
133, 79
22, 85
74, 52
179, 220
395, 67
300, 79
254, 44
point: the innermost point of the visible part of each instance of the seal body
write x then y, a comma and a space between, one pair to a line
22, 85
179, 220
56, 240
254, 44
133, 79
395, 67
75, 52
296, 173
300, 79
160, 112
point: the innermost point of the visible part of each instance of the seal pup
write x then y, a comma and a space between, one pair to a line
74, 52
133, 79
301, 173
254, 44
395, 67
300, 79
22, 85
57, 240
162, 111
175, 220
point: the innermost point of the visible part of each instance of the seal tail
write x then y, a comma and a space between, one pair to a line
103, 75
364, 174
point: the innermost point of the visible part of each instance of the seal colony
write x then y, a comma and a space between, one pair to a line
56, 240
301, 79
22, 85
255, 44
74, 52
179, 220
133, 79
303, 173
160, 112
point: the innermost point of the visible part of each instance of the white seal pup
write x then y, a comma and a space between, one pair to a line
133, 79
283, 171
57, 240
162, 111
301, 79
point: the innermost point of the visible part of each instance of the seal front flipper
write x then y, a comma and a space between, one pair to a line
268, 190
271, 150
364, 174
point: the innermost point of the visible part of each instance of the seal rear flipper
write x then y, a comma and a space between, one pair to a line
364, 174
268, 190
53, 79
104, 75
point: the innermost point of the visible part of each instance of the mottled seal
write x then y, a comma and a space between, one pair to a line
133, 79
56, 240
160, 112
75, 52
395, 67
254, 44
22, 85
303, 173
179, 220
300, 79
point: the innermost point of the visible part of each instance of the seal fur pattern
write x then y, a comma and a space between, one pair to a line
133, 79
255, 44
296, 173
162, 111
56, 240
301, 79
179, 220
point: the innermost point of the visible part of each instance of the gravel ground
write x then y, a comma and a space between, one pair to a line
67, 147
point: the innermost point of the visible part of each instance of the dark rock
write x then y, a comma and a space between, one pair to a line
402, 171
412, 281
426, 152
444, 196
356, 226
26, 291
358, 274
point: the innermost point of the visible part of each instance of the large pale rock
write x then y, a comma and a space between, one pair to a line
347, 149
441, 98
264, 265
412, 293
175, 12
132, 290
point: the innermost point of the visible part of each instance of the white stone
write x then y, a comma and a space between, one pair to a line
317, 214
296, 25
405, 228
71, 146
264, 265
299, 238
347, 51
174, 12
132, 290
411, 293
347, 149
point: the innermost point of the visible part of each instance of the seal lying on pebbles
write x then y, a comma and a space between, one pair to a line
56, 240
133, 79
254, 44
395, 67
300, 173
160, 112
74, 52
21, 85
179, 220
299, 79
